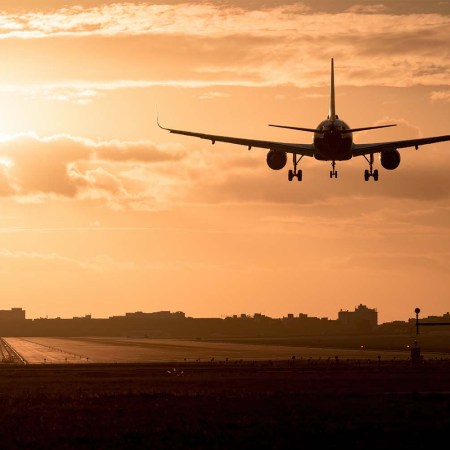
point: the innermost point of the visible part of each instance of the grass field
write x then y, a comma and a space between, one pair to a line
239, 405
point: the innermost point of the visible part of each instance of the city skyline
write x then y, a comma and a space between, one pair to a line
19, 313
102, 211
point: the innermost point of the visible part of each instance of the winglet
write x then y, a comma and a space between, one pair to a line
157, 120
332, 115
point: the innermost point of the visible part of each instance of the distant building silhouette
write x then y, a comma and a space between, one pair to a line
166, 324
155, 315
12, 314
363, 319
430, 319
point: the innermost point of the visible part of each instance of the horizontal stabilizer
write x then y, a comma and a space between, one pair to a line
310, 130
354, 130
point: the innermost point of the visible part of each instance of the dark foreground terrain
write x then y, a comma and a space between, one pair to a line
246, 405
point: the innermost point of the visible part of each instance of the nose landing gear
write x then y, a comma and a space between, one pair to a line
370, 173
333, 171
295, 173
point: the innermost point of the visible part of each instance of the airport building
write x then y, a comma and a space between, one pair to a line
361, 319
12, 314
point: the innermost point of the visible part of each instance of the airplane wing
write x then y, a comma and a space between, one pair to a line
367, 149
298, 149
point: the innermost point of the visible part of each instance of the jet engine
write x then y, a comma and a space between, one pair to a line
276, 159
390, 159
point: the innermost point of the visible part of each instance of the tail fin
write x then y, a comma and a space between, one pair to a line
332, 115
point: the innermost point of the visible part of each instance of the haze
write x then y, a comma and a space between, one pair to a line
102, 212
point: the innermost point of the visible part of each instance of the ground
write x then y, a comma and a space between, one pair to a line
226, 405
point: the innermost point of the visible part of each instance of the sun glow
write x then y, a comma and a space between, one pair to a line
6, 163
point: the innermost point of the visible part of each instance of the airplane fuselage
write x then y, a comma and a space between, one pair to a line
333, 144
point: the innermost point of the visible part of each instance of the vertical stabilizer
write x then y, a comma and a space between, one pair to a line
332, 114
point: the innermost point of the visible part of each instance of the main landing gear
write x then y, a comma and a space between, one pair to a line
371, 172
333, 171
295, 173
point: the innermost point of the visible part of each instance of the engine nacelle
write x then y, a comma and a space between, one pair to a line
276, 159
390, 159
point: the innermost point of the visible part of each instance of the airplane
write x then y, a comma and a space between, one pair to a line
333, 141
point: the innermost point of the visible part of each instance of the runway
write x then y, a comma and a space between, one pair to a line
39, 350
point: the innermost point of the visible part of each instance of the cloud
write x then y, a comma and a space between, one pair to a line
207, 44
24, 261
245, 177
367, 9
69, 166
67, 90
140, 151
141, 175
389, 262
78, 96
98, 179
137, 18
440, 96
213, 95
403, 128
40, 165
201, 19
364, 220
85, 92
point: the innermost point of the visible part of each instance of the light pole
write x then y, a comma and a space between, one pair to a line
417, 311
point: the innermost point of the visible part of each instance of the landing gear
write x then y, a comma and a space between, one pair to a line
333, 171
295, 173
370, 173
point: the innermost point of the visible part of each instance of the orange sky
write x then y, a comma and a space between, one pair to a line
103, 213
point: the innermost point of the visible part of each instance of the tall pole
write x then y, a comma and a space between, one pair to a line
417, 311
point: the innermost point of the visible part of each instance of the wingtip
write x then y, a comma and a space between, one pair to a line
157, 119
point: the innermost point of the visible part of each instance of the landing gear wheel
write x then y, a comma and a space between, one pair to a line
331, 174
295, 173
370, 173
